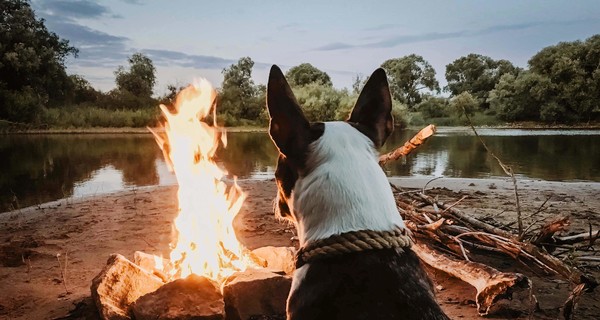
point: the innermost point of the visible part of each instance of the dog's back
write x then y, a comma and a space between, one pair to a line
378, 284
331, 186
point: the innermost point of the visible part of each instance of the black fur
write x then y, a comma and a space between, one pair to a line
376, 284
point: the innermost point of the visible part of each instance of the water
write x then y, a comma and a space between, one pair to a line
40, 168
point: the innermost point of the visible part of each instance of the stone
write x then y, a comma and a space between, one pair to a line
191, 298
255, 293
119, 285
156, 265
278, 258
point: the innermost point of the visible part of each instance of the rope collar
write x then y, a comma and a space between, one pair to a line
353, 241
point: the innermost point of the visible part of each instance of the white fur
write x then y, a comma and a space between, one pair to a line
346, 190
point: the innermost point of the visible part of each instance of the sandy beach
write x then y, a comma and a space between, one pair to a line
83, 232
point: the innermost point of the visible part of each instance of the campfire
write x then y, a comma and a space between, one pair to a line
208, 273
206, 243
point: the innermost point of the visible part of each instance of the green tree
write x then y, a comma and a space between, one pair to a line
476, 74
409, 76
32, 71
574, 70
523, 97
323, 103
240, 99
464, 104
434, 107
306, 73
139, 79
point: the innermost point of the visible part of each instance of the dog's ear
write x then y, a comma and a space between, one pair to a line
289, 128
373, 109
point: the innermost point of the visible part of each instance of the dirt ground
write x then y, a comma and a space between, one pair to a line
79, 235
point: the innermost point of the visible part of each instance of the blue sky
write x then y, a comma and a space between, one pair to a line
188, 39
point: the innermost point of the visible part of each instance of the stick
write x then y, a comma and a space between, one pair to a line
576, 238
509, 172
409, 146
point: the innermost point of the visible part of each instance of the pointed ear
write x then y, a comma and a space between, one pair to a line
288, 127
373, 109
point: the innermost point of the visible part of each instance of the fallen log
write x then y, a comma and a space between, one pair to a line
491, 284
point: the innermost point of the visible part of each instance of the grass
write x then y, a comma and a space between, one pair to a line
93, 117
416, 119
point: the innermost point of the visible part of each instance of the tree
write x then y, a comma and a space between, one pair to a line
464, 104
139, 80
239, 97
574, 70
476, 74
323, 103
32, 70
306, 73
434, 107
525, 97
408, 76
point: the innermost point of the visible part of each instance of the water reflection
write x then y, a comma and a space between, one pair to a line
41, 168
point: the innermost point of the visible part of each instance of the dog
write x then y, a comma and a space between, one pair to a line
330, 184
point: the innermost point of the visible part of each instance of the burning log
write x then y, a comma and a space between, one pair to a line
491, 284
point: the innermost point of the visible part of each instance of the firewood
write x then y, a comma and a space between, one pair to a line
409, 146
546, 233
491, 284
576, 238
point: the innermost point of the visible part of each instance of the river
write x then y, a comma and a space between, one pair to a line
43, 167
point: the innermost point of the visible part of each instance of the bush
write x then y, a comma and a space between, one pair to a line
323, 103
434, 107
20, 106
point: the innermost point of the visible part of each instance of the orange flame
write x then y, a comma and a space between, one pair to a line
206, 242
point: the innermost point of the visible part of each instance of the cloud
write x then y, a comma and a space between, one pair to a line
73, 9
432, 36
96, 48
335, 46
136, 2
169, 57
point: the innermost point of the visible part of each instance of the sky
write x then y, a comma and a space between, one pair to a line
187, 39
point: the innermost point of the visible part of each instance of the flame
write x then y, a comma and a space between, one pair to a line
206, 243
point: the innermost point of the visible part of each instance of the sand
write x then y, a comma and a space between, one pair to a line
85, 231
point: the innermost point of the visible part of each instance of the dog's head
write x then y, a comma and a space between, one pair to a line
297, 139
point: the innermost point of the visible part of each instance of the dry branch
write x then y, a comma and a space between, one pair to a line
491, 284
576, 238
548, 230
409, 146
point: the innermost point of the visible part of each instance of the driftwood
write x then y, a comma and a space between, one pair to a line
546, 233
491, 284
446, 235
590, 237
409, 146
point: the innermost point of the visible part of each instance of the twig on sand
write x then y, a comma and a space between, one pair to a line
63, 272
508, 171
